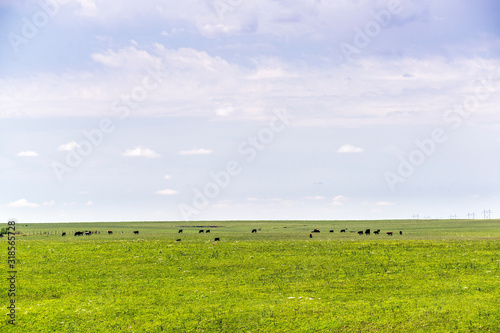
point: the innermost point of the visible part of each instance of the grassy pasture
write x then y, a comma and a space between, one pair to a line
440, 275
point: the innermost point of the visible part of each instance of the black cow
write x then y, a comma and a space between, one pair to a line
110, 232
254, 231
331, 230
400, 232
343, 230
63, 234
376, 232
78, 233
367, 231
360, 232
87, 233
216, 239
178, 240
136, 232
207, 232
180, 231
316, 230
201, 231
310, 235
389, 233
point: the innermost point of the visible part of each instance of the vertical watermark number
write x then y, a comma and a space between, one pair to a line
12, 273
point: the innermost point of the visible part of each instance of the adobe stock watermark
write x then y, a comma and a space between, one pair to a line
427, 147
122, 107
247, 150
30, 27
372, 29
224, 6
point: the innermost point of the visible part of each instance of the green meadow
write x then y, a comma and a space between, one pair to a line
438, 276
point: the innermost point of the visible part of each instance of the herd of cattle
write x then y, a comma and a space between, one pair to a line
207, 231
366, 232
88, 233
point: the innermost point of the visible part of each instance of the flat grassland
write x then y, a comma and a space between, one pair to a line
439, 276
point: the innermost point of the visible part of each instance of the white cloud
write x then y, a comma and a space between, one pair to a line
22, 203
167, 177
200, 151
68, 146
338, 200
224, 112
89, 203
349, 149
28, 153
166, 192
385, 203
49, 203
140, 152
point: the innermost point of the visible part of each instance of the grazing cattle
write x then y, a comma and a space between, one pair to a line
78, 233
136, 232
201, 231
207, 232
316, 230
63, 234
389, 233
254, 231
110, 232
310, 235
376, 232
180, 231
360, 232
87, 233
216, 239
331, 230
400, 232
343, 230
367, 231
178, 240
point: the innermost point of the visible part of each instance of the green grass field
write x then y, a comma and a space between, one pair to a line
439, 276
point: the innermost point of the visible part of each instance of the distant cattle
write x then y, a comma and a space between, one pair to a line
360, 232
331, 230
389, 233
136, 232
400, 232
254, 231
343, 230
316, 230
63, 234
180, 231
87, 233
79, 233
216, 239
178, 240
207, 231
367, 231
201, 231
110, 232
376, 232
310, 235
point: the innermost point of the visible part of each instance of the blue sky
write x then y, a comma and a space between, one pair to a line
235, 109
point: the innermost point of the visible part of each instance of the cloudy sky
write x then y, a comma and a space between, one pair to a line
237, 109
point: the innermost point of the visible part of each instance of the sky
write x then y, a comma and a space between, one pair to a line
249, 110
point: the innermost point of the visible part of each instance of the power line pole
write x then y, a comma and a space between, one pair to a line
471, 214
487, 214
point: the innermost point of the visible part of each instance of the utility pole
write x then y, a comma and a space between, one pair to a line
487, 214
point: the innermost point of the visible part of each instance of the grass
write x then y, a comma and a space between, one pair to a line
439, 276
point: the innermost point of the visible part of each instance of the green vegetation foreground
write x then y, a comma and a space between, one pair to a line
421, 282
